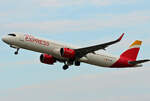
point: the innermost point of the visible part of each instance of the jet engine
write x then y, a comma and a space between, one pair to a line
47, 59
67, 53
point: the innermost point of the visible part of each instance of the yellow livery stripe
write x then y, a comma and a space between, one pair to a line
136, 43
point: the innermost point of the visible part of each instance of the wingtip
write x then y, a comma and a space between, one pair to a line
121, 37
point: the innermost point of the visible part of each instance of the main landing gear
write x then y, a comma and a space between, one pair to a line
77, 63
65, 67
69, 63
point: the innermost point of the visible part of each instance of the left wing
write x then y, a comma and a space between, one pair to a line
83, 51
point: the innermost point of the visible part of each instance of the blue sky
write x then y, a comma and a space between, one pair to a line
79, 22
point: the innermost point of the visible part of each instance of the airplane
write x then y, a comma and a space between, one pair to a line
52, 52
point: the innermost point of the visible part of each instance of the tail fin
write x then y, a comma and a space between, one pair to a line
133, 51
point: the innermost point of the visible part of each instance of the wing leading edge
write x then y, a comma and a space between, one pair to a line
83, 51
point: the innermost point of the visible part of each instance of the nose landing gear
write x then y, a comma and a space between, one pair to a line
16, 52
15, 47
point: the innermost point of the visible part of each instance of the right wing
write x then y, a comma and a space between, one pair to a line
84, 51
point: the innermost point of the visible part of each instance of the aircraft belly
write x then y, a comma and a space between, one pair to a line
101, 60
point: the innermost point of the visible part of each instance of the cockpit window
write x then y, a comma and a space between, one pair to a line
12, 34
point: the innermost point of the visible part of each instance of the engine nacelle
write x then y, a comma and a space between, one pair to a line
67, 53
47, 59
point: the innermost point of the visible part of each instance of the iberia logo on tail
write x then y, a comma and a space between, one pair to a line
133, 51
129, 55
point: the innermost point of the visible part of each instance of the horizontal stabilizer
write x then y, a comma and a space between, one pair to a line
138, 62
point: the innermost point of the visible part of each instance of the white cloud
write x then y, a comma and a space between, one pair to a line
22, 62
3, 14
116, 85
64, 3
51, 3
111, 2
127, 20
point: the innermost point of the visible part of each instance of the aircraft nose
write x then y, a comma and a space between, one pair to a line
4, 39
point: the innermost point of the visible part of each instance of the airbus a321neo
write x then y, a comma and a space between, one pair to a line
53, 52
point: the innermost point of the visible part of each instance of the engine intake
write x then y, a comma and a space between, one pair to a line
47, 59
67, 53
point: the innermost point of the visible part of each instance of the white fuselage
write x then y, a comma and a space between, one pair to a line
32, 43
